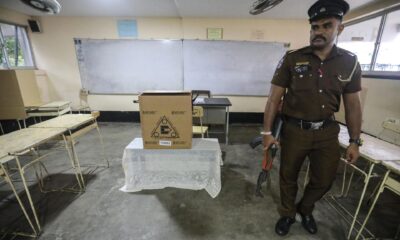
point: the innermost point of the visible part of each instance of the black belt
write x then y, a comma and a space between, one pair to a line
310, 125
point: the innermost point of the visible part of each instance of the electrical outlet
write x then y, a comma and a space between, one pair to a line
392, 124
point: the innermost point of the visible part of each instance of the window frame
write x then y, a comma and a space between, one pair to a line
395, 75
29, 44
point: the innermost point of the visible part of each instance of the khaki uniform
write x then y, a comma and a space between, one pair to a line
314, 90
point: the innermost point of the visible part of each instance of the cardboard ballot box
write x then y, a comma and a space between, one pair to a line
166, 119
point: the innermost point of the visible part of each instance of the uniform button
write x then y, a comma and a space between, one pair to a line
320, 76
320, 90
323, 106
322, 63
310, 75
301, 76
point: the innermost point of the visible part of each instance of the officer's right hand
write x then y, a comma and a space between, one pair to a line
268, 140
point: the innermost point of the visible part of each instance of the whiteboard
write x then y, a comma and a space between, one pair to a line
231, 67
129, 66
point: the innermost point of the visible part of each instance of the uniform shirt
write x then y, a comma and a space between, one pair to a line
314, 87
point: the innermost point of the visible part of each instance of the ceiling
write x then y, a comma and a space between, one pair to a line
288, 9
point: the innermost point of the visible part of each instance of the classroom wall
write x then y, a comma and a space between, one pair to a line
382, 101
61, 65
13, 17
54, 52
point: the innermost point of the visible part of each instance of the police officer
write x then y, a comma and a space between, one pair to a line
311, 81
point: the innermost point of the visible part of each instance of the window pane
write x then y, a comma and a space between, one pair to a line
24, 54
3, 62
360, 39
17, 48
389, 51
9, 42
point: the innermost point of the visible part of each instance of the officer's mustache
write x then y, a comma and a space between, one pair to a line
319, 37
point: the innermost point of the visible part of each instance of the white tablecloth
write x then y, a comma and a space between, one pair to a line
195, 168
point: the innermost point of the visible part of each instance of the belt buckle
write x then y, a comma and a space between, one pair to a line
316, 125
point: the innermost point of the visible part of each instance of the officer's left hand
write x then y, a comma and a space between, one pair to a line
352, 153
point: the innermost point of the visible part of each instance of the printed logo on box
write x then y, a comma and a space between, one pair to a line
164, 129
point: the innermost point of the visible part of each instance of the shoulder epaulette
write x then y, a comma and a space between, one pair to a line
295, 50
292, 51
346, 52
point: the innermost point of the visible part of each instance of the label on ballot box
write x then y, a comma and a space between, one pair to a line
166, 119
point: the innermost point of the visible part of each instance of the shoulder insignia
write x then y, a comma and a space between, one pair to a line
302, 63
292, 51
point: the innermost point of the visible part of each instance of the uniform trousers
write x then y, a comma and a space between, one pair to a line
323, 150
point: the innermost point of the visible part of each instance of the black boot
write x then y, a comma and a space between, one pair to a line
308, 223
282, 227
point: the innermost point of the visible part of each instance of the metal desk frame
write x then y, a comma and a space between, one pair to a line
15, 153
73, 131
387, 183
5, 175
366, 173
222, 103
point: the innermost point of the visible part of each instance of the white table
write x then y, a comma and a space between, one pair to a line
195, 168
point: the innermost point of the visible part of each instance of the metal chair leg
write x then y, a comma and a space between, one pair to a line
381, 188
366, 181
9, 181
72, 154
343, 180
76, 160
28, 192
348, 185
102, 146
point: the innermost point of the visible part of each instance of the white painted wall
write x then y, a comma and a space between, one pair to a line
55, 51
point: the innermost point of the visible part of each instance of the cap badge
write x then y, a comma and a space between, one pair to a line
322, 9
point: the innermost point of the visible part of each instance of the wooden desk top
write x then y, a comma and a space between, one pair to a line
68, 121
24, 139
373, 149
55, 105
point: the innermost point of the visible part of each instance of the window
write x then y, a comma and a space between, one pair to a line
375, 40
388, 58
15, 51
360, 39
